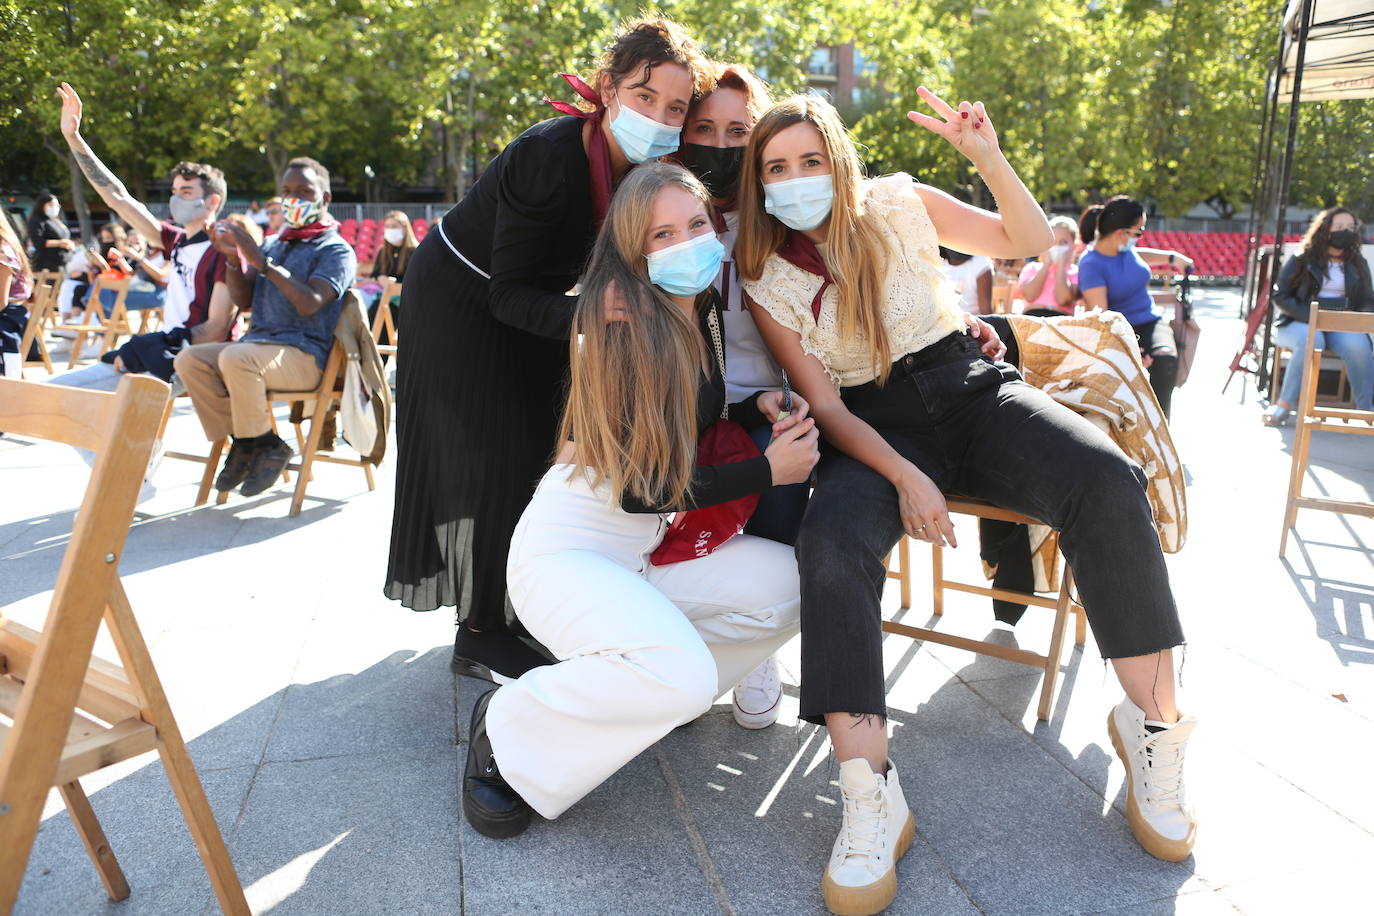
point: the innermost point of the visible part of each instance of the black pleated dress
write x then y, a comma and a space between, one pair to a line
482, 371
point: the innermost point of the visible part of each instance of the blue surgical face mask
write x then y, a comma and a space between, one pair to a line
687, 268
642, 138
800, 203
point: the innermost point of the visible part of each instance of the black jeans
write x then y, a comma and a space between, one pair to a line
1157, 341
779, 514
975, 429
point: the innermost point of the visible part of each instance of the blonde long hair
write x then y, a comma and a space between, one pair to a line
856, 251
632, 398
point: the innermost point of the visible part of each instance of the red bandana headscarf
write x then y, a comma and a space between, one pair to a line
598, 152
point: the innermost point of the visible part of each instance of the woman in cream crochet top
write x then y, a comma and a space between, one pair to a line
845, 285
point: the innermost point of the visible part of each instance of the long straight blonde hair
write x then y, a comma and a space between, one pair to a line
632, 396
856, 252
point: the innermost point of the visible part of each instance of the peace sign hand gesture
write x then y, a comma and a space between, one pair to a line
969, 128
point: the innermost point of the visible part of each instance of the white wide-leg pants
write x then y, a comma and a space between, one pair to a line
642, 648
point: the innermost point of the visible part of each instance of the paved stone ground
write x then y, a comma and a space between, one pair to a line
330, 733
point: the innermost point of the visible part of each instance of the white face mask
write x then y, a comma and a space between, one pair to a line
394, 236
53, 210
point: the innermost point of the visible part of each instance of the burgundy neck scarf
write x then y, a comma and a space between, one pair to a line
598, 151
318, 227
800, 251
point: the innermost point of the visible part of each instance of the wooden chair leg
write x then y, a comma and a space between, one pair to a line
78, 344
272, 417
371, 485
1061, 629
312, 444
937, 579
1301, 443
207, 480
904, 555
93, 838
1080, 626
181, 771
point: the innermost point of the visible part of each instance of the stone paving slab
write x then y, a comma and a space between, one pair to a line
330, 733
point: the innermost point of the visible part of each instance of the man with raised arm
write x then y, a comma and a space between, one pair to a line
198, 307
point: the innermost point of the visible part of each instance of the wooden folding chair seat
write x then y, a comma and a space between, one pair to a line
1332, 363
1063, 603
94, 321
63, 713
1311, 418
41, 304
385, 320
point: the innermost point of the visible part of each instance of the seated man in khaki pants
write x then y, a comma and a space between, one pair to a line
295, 289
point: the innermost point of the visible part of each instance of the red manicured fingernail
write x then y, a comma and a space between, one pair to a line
963, 114
979, 123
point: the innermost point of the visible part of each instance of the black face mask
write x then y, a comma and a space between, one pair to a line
717, 167
1344, 238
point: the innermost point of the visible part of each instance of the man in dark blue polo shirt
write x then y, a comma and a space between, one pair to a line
295, 289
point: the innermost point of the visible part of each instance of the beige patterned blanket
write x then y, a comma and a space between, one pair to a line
1091, 364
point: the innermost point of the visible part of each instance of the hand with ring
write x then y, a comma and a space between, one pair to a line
923, 510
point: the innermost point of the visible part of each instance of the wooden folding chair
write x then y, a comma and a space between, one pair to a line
1311, 418
72, 714
53, 280
385, 320
94, 321
43, 301
1063, 604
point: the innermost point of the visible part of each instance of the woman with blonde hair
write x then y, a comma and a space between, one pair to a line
849, 295
393, 257
641, 647
1048, 284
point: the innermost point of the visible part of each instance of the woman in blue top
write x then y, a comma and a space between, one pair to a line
1115, 274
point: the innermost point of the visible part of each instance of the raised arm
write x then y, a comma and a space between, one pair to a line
924, 513
1019, 228
110, 188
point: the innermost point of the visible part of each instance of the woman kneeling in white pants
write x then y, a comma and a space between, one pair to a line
643, 648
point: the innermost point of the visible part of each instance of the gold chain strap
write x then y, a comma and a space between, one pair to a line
713, 321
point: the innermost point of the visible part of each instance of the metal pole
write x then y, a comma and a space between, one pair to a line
1259, 188
1286, 174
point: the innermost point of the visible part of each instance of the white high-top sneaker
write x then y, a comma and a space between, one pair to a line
877, 829
758, 696
1157, 806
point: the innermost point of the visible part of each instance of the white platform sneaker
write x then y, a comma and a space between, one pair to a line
1157, 806
758, 696
877, 830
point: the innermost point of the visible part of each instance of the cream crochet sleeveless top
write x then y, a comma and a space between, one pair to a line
920, 305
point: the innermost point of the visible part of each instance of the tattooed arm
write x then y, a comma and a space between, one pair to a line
110, 188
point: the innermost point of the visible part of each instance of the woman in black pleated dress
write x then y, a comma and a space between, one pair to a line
482, 363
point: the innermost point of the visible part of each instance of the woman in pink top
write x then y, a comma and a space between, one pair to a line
1047, 284
16, 281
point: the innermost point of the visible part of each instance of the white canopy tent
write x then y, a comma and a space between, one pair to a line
1325, 53
1339, 51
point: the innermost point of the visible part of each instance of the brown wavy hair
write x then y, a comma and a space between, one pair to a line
643, 43
856, 252
632, 397
1312, 250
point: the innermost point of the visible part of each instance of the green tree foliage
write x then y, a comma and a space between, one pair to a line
1157, 98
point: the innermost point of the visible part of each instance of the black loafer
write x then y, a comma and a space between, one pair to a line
491, 806
268, 463
236, 465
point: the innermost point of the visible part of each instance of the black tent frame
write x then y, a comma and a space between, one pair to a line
1273, 173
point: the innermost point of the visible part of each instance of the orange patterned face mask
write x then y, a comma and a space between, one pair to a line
298, 213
